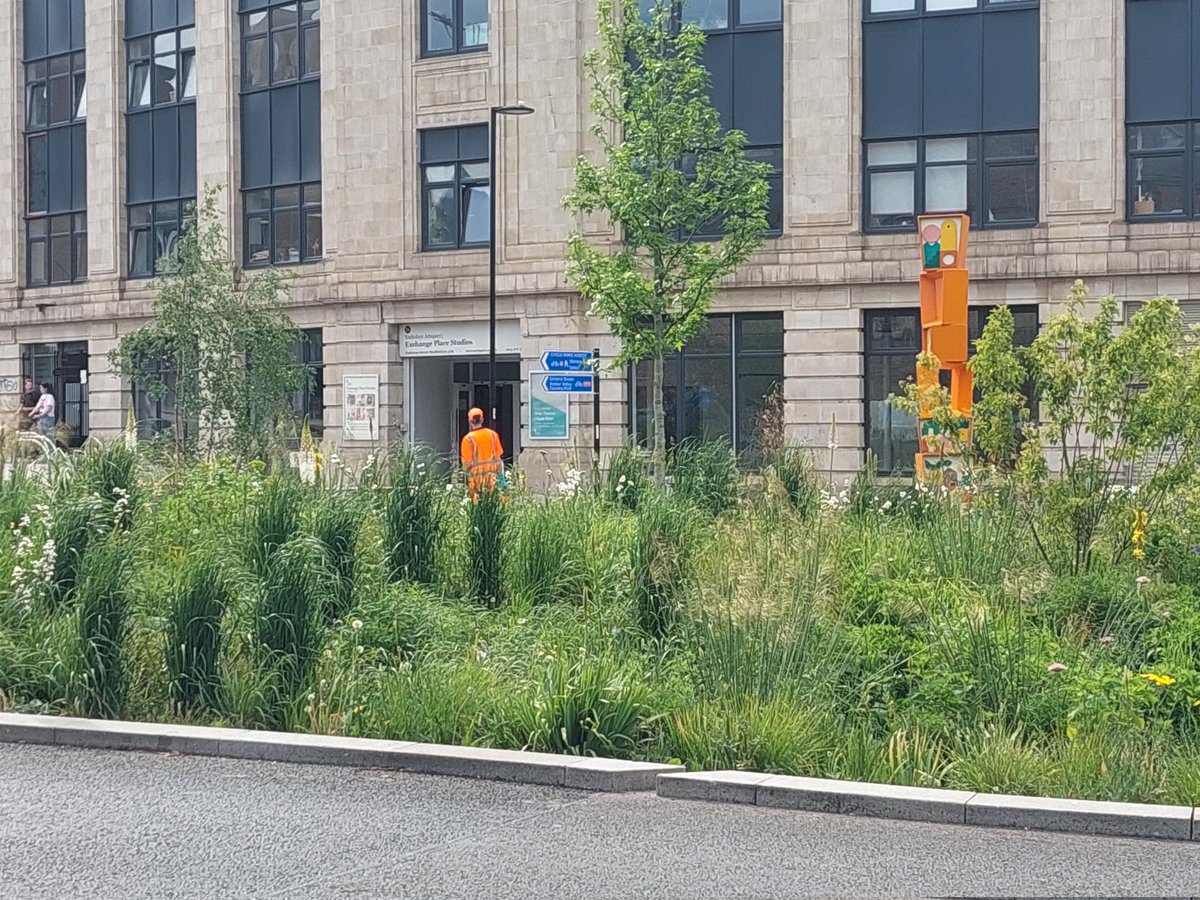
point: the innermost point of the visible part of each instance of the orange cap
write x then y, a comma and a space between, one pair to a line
474, 413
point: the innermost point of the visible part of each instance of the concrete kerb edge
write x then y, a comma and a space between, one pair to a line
932, 805
580, 773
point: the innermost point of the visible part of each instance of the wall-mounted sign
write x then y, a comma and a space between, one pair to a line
459, 339
360, 408
549, 411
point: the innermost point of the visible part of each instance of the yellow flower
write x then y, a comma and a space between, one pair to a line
1160, 680
1139, 553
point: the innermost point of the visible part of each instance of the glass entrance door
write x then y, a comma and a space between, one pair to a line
64, 367
472, 388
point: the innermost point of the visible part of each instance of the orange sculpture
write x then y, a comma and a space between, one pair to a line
943, 281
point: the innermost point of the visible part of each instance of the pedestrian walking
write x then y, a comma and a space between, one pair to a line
482, 455
43, 412
29, 399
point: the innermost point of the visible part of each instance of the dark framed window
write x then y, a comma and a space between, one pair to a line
717, 387
453, 26
900, 8
283, 225
951, 105
1162, 109
743, 52
454, 188
154, 232
160, 127
55, 142
281, 119
998, 188
154, 411
892, 341
308, 403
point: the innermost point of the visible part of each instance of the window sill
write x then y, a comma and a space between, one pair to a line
911, 230
291, 264
464, 248
473, 54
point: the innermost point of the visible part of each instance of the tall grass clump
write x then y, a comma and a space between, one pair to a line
412, 526
586, 707
286, 624
793, 469
75, 518
978, 540
660, 562
110, 472
706, 474
102, 617
628, 478
336, 523
273, 521
198, 600
485, 537
542, 551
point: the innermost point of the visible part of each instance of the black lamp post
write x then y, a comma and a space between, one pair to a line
518, 109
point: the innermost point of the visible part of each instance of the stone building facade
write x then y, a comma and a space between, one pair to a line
415, 318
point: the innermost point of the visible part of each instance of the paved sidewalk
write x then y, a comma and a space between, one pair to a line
88, 823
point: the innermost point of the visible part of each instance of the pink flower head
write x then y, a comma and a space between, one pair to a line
1056, 667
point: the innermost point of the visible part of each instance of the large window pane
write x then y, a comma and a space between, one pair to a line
892, 198
717, 338
1158, 183
946, 188
707, 15
287, 236
312, 51
475, 215
892, 434
754, 11
313, 237
948, 149
439, 26
888, 6
256, 65
892, 153
440, 218
39, 174
285, 55
707, 398
1012, 193
475, 23
758, 376
942, 5
1158, 137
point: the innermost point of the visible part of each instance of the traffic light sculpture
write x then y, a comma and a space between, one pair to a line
944, 335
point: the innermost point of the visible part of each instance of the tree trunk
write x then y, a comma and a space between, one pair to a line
658, 452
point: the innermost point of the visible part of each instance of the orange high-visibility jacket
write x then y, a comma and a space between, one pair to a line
482, 458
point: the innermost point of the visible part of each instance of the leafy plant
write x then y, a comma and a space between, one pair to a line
337, 520
670, 175
102, 616
198, 600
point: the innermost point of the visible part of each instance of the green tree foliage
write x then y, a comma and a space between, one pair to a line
220, 344
669, 173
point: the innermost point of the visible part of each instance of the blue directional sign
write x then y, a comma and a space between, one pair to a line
567, 384
566, 361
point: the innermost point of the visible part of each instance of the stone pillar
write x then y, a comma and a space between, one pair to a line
12, 188
105, 30
218, 128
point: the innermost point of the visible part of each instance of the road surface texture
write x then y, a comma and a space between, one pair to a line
92, 823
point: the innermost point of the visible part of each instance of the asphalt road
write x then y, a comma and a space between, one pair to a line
86, 823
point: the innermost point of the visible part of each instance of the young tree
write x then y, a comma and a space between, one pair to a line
670, 176
220, 344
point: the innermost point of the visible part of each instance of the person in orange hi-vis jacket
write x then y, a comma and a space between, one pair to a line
482, 455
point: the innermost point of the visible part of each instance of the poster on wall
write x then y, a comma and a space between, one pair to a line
360, 408
549, 411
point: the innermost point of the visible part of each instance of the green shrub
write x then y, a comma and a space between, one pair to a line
706, 474
1000, 762
744, 732
198, 600
75, 520
412, 526
589, 707
102, 616
542, 553
110, 471
1110, 764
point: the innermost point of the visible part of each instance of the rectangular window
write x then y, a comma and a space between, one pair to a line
1163, 164
281, 121
308, 404
947, 174
454, 188
951, 104
892, 341
718, 387
453, 26
160, 127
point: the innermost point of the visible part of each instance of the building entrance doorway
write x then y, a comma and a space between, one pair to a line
64, 367
442, 392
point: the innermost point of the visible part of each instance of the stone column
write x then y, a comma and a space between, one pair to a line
218, 129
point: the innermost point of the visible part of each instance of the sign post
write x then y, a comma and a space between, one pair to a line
596, 419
